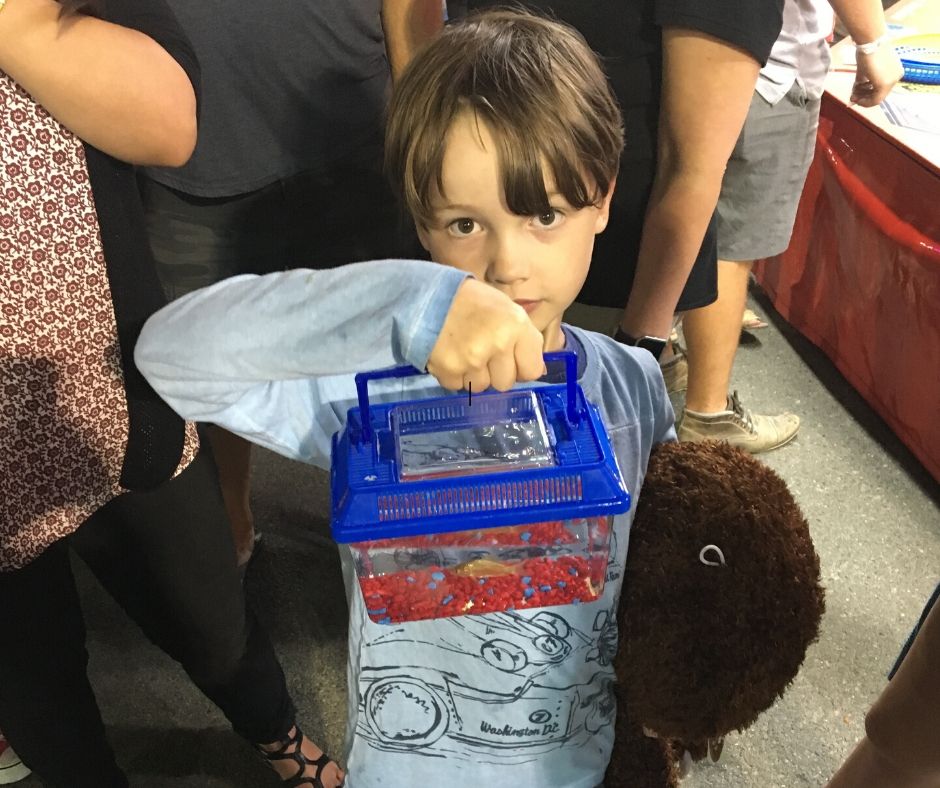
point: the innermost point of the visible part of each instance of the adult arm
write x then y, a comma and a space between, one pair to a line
880, 71
706, 92
115, 88
408, 24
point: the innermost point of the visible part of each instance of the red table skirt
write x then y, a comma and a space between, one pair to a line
861, 278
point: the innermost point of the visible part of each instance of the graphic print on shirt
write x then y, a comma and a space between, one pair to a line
493, 688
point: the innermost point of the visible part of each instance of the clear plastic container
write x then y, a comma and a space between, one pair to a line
456, 507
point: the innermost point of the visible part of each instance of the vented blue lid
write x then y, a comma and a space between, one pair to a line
453, 463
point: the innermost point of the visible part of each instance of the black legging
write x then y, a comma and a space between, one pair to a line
166, 556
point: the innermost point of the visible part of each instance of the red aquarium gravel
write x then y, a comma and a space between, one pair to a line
487, 584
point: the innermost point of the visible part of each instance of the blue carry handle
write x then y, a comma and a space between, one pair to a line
362, 385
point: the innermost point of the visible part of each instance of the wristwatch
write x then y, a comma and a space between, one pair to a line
655, 345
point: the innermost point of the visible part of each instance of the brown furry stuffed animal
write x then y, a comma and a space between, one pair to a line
720, 600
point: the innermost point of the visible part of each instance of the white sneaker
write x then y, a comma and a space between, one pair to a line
12, 769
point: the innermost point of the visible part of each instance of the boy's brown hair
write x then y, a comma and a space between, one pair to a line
541, 92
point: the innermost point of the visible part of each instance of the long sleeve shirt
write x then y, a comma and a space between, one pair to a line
522, 697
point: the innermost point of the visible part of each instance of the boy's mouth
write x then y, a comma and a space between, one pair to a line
527, 305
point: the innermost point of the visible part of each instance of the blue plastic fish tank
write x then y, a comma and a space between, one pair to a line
456, 505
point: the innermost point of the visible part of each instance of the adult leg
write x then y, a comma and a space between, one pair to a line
232, 455
167, 557
197, 242
47, 709
711, 335
759, 196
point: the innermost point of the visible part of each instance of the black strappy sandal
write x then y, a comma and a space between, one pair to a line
299, 759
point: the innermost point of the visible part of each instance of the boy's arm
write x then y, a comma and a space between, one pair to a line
707, 89
408, 24
242, 353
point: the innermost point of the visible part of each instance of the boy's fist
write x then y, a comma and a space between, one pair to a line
487, 340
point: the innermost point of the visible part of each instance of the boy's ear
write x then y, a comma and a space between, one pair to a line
423, 236
603, 213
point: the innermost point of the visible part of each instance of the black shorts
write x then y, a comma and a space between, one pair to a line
310, 220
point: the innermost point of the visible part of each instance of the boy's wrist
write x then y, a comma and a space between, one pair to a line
424, 330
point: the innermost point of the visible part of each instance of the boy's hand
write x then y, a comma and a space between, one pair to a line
487, 340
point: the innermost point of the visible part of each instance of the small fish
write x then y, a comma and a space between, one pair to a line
479, 567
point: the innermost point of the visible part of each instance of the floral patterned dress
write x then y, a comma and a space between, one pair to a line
64, 417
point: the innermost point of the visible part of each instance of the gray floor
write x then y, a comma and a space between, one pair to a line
874, 517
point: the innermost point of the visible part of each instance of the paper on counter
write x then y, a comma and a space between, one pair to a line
913, 109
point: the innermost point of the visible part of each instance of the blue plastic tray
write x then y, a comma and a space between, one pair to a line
920, 57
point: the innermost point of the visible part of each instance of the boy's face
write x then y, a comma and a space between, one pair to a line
538, 261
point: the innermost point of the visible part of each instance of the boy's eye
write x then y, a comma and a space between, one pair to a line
551, 218
463, 226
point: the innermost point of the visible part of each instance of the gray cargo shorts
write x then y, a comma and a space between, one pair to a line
762, 185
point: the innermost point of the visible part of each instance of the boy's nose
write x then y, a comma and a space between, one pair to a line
509, 263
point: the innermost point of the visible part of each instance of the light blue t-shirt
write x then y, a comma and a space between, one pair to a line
521, 698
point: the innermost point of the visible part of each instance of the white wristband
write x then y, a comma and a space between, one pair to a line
872, 46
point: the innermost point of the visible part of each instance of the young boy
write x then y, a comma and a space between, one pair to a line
504, 141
